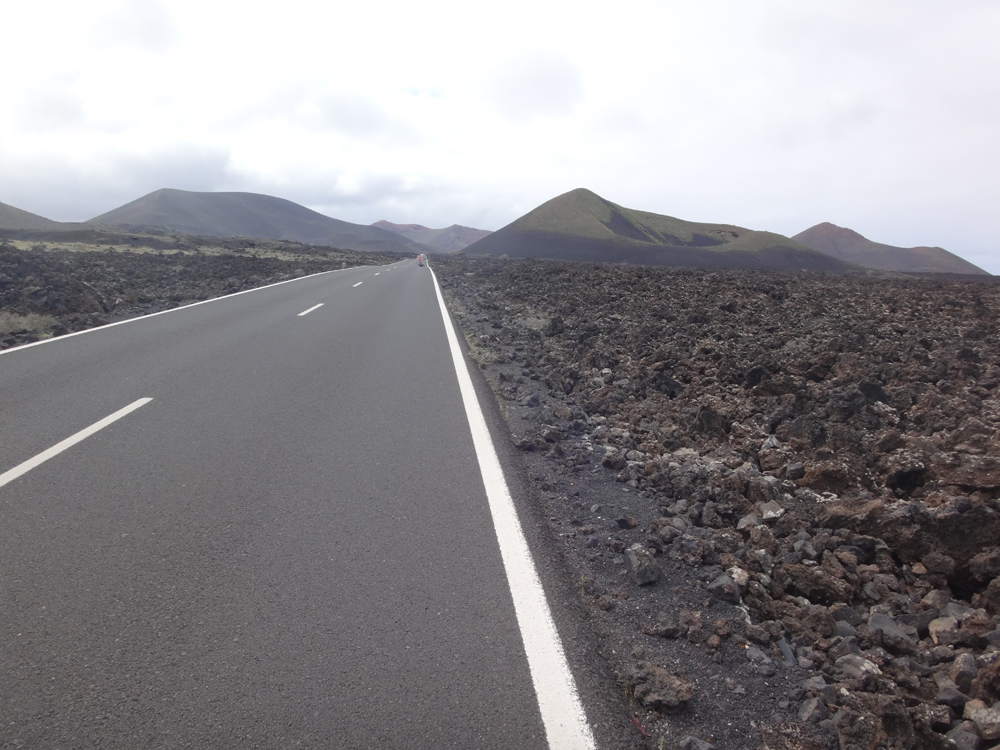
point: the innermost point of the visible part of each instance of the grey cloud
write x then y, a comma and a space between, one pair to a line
437, 203
347, 113
396, 197
66, 191
342, 196
183, 167
357, 116
537, 83
58, 104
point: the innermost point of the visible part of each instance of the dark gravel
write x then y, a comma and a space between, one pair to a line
778, 491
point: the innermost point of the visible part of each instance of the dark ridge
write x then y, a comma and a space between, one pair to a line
529, 244
669, 239
703, 240
624, 228
850, 246
261, 217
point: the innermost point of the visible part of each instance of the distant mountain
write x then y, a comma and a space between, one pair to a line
15, 218
398, 228
581, 225
449, 239
251, 215
848, 245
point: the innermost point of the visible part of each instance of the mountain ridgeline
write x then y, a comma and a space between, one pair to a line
250, 215
447, 240
19, 220
852, 247
581, 225
577, 226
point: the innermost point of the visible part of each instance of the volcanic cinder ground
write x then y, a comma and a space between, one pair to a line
776, 494
778, 491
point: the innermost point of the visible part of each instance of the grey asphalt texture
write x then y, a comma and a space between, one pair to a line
290, 546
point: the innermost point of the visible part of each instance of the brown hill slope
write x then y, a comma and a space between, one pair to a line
846, 244
251, 215
580, 225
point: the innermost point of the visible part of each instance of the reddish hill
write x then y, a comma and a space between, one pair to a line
447, 240
398, 228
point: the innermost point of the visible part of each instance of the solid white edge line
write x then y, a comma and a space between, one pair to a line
314, 307
65, 336
565, 721
55, 450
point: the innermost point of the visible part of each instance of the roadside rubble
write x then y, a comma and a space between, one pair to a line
779, 492
77, 290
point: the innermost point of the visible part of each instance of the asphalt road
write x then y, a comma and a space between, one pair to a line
290, 545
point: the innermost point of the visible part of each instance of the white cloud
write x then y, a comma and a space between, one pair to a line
52, 107
146, 24
70, 188
536, 83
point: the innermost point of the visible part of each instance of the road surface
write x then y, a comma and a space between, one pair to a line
285, 543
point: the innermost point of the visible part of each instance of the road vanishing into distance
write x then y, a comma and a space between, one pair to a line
264, 521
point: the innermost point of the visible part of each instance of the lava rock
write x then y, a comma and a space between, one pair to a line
725, 588
659, 689
641, 565
813, 711
987, 720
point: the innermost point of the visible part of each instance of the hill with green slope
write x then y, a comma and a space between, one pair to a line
251, 215
848, 245
581, 225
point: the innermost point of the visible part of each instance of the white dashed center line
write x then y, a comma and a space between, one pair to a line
306, 312
55, 450
359, 283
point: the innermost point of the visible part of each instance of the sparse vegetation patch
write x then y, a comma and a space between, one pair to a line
32, 323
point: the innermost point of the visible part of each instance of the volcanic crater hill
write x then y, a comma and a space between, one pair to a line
449, 239
12, 218
251, 215
779, 493
582, 226
848, 245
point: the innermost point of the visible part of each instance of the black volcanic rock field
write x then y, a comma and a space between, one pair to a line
777, 493
134, 276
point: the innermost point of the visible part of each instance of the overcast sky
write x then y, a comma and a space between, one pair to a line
882, 116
